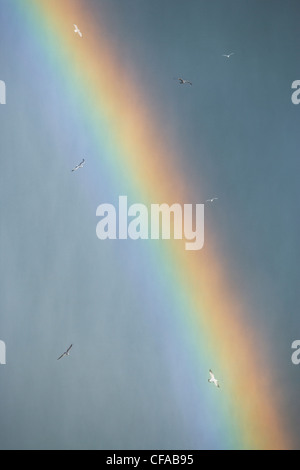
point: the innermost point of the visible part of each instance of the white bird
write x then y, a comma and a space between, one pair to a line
212, 199
77, 30
184, 82
228, 55
66, 353
213, 380
80, 165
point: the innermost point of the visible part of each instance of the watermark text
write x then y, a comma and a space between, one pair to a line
296, 353
296, 94
2, 353
160, 222
2, 92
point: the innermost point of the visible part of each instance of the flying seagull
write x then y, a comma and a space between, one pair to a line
66, 353
77, 30
228, 55
80, 165
212, 199
213, 380
184, 82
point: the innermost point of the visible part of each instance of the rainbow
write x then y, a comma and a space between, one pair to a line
209, 316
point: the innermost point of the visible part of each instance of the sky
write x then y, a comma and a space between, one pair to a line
135, 379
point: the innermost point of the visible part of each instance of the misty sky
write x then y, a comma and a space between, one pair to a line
125, 384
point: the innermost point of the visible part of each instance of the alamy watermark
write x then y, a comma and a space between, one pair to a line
160, 222
296, 94
296, 353
2, 353
2, 92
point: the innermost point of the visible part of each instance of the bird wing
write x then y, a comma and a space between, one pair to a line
69, 348
78, 166
211, 374
60, 357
